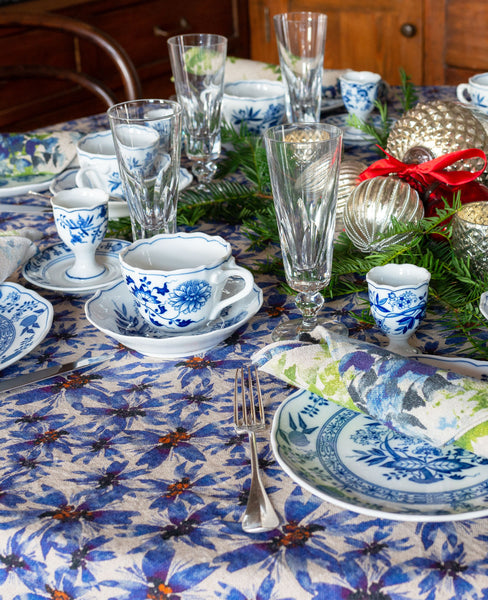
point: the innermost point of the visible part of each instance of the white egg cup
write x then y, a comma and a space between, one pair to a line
398, 298
81, 217
359, 91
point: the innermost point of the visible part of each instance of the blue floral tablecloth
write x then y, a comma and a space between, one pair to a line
126, 481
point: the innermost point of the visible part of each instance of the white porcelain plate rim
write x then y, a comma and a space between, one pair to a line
343, 492
44, 314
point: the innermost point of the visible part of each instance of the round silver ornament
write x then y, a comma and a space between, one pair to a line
432, 129
369, 210
348, 180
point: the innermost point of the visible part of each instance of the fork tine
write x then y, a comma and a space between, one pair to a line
236, 410
262, 418
251, 396
245, 417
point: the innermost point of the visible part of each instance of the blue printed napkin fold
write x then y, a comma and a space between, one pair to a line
413, 398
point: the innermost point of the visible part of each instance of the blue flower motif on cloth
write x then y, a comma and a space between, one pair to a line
190, 296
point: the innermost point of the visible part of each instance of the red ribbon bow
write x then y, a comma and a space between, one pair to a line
427, 172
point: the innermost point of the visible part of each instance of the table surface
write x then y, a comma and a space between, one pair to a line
128, 481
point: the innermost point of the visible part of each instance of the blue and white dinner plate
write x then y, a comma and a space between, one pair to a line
25, 320
113, 312
359, 464
47, 269
116, 208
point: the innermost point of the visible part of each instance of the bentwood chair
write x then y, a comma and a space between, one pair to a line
68, 62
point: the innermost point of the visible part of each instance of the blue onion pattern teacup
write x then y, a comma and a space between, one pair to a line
359, 91
256, 104
177, 280
474, 93
398, 299
81, 218
98, 163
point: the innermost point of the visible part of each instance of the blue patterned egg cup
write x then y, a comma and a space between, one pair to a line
81, 217
98, 163
177, 280
359, 91
256, 104
398, 299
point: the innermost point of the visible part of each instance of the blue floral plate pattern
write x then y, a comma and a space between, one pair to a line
355, 462
25, 320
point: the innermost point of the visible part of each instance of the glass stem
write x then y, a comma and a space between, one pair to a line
204, 171
309, 304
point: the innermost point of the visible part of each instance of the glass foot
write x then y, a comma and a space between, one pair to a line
294, 329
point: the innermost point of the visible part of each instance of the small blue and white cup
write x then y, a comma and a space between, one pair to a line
81, 218
398, 299
474, 93
177, 280
98, 163
359, 91
258, 105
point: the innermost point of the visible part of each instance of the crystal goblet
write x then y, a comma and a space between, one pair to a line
398, 298
197, 63
304, 161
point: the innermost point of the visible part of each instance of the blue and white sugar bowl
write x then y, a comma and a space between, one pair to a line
258, 105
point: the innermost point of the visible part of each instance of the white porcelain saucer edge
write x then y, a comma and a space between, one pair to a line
43, 269
100, 308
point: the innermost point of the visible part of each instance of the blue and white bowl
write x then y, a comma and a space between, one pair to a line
257, 104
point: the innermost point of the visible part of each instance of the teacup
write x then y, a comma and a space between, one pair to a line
177, 279
98, 163
258, 104
474, 93
398, 299
359, 91
81, 218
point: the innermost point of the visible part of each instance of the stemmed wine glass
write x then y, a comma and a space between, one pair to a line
198, 64
304, 161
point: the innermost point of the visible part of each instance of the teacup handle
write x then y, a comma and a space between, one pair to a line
461, 91
234, 271
89, 177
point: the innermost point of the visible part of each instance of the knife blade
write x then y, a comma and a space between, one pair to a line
15, 382
24, 208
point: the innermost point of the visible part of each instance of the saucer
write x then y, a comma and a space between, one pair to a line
25, 320
47, 269
116, 208
113, 311
351, 134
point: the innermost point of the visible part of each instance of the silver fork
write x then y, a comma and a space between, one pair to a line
260, 514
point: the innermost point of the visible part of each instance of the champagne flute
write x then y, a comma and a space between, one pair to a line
304, 161
198, 63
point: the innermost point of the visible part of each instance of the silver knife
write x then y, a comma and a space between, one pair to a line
15, 382
25, 208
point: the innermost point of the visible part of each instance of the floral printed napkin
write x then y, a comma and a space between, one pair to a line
24, 156
15, 249
413, 398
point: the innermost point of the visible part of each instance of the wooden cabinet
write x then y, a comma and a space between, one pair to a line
434, 41
142, 27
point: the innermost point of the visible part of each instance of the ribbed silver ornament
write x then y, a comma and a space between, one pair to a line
348, 180
370, 207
